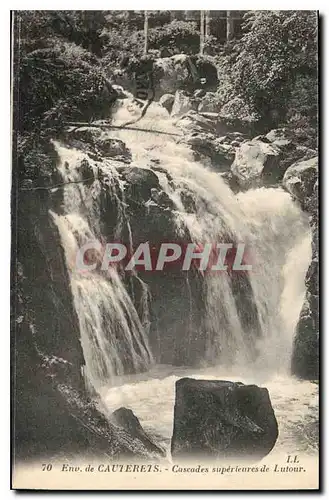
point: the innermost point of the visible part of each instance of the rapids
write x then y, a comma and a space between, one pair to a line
112, 331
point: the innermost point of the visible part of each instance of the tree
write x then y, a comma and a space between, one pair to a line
273, 68
208, 19
146, 30
229, 25
202, 32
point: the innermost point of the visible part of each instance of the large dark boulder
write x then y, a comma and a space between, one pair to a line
113, 148
209, 138
85, 134
170, 74
126, 419
139, 183
222, 419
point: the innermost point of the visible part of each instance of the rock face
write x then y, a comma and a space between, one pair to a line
167, 101
210, 138
193, 122
171, 73
209, 103
183, 103
222, 419
264, 160
301, 180
149, 211
181, 71
52, 411
94, 140
126, 419
257, 163
113, 148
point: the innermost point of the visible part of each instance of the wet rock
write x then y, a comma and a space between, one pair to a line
183, 103
53, 412
182, 71
305, 358
231, 180
193, 122
199, 93
299, 180
188, 201
113, 148
257, 163
167, 101
86, 134
139, 182
207, 145
209, 103
162, 199
222, 419
171, 73
87, 171
126, 419
204, 134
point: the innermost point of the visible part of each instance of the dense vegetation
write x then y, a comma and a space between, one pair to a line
65, 60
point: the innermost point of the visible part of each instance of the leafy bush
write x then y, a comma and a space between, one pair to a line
82, 27
274, 65
177, 37
121, 44
60, 83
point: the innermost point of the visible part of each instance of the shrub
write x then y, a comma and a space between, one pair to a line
177, 37
60, 83
276, 61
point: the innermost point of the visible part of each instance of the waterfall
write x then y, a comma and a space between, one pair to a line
113, 336
247, 319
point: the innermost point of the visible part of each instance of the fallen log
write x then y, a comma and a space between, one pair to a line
119, 127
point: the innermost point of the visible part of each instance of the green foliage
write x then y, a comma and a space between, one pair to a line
268, 76
57, 81
177, 37
273, 68
36, 159
121, 43
82, 27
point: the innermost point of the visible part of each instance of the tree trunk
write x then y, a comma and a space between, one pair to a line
229, 25
208, 19
146, 31
201, 31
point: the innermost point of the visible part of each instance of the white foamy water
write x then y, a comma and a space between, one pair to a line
112, 334
151, 396
267, 220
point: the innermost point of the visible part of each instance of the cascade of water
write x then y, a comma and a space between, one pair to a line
266, 219
114, 336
